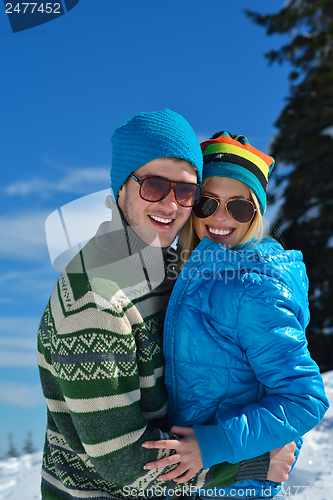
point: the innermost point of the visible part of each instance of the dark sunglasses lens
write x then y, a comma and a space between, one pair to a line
206, 207
154, 189
187, 195
240, 210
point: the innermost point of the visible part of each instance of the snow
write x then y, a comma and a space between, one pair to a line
312, 478
330, 242
20, 477
312, 213
327, 131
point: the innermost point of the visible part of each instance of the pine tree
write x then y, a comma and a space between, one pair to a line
28, 444
12, 450
304, 143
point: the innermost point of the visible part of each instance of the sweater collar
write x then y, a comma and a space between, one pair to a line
138, 259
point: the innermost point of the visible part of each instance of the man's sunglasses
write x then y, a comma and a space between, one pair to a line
239, 209
154, 189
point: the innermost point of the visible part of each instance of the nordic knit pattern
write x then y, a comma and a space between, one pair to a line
90, 355
102, 374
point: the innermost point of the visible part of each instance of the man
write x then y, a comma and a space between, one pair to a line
100, 338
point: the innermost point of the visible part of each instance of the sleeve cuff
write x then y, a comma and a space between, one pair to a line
214, 445
255, 468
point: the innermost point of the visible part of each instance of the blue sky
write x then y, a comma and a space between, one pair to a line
65, 87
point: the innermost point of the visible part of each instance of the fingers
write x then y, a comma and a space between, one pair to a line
189, 474
163, 462
281, 461
174, 474
292, 446
285, 454
182, 431
170, 444
187, 455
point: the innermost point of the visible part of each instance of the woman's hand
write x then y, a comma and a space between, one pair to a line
281, 461
187, 454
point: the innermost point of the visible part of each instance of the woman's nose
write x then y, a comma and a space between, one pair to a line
221, 213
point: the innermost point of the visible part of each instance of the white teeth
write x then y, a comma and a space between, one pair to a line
221, 232
159, 219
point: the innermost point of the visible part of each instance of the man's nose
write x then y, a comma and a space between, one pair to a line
170, 201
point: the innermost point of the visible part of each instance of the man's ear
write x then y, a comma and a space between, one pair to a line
121, 195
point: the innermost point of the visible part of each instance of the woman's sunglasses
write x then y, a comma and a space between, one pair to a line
239, 209
156, 189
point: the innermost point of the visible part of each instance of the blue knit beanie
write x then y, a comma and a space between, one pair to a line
149, 136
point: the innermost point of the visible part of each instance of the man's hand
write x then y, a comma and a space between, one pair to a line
187, 454
281, 462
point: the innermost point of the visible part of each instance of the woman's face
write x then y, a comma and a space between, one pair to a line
220, 227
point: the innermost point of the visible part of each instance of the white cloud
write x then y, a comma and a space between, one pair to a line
19, 359
18, 341
18, 326
23, 235
77, 181
23, 395
74, 224
16, 285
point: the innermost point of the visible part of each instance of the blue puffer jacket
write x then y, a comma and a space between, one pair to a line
237, 365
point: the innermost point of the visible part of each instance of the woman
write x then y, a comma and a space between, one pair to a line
239, 376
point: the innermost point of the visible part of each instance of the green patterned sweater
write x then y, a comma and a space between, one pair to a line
101, 368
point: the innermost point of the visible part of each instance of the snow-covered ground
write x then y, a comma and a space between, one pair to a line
20, 477
312, 478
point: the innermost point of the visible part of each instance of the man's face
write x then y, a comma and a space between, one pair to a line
157, 223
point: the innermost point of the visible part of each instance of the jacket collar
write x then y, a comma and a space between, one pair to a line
263, 257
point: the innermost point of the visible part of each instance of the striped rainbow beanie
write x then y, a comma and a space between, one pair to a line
148, 136
226, 155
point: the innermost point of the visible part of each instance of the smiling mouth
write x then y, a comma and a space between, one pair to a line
162, 223
161, 219
220, 232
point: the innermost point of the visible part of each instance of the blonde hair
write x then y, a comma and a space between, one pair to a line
188, 238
